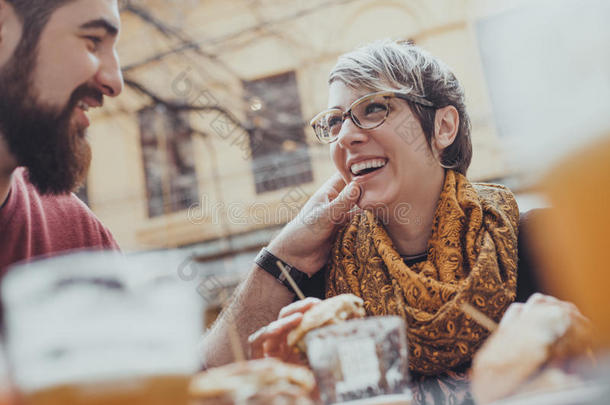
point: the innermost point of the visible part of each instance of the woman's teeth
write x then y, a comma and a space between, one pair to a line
359, 168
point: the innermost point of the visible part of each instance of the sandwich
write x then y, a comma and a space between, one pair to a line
265, 381
331, 311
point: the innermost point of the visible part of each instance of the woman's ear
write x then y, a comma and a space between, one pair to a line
446, 125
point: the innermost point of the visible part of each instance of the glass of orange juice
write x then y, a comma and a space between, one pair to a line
101, 328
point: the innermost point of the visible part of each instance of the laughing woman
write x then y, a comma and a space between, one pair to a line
426, 239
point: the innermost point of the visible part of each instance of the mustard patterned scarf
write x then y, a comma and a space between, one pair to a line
472, 257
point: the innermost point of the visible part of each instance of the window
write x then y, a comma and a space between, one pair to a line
169, 166
279, 152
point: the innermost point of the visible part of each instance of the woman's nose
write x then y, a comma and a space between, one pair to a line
350, 134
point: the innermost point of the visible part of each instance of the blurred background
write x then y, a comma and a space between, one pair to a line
209, 151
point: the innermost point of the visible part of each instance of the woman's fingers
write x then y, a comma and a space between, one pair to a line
300, 306
268, 340
306, 240
538, 298
333, 186
512, 312
517, 309
255, 343
327, 192
339, 208
353, 212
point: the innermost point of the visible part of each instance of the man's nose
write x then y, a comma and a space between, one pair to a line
109, 75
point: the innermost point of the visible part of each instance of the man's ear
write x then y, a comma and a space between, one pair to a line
446, 125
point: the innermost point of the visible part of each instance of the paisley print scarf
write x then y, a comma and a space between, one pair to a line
472, 257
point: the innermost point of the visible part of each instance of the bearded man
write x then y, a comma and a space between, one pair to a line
57, 60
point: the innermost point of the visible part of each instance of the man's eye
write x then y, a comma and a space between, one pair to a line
93, 42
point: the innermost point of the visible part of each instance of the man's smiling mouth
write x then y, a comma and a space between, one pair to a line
83, 105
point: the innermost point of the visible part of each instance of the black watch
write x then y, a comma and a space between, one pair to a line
268, 262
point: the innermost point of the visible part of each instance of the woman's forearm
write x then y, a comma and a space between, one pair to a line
257, 302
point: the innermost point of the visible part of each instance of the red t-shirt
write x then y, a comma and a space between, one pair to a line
34, 225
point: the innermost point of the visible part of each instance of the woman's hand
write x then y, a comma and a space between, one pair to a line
518, 310
574, 338
270, 340
540, 335
305, 241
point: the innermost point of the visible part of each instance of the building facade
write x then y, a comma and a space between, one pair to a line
209, 147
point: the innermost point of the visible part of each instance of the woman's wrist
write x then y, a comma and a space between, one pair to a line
278, 268
285, 252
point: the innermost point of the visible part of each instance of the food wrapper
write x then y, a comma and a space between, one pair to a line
357, 359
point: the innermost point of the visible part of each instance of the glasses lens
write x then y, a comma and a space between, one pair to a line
370, 112
328, 125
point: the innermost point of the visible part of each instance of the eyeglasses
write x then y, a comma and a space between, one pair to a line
367, 112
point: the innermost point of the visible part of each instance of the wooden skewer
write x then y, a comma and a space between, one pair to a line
294, 285
236, 347
479, 317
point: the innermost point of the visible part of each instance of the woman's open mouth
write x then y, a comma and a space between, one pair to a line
364, 168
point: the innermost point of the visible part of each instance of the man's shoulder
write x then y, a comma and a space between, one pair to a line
63, 213
63, 204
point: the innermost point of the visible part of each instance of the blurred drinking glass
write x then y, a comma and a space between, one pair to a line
5, 384
361, 361
99, 328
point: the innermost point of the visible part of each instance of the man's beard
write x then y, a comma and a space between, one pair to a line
42, 138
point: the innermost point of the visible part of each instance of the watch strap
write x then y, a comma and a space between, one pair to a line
268, 262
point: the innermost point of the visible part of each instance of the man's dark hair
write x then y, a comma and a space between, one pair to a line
34, 16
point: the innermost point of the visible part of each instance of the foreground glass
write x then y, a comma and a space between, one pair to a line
363, 360
99, 328
6, 394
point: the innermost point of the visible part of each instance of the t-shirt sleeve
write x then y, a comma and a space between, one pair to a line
34, 225
108, 241
93, 234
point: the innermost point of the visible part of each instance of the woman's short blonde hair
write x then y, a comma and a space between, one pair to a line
400, 65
